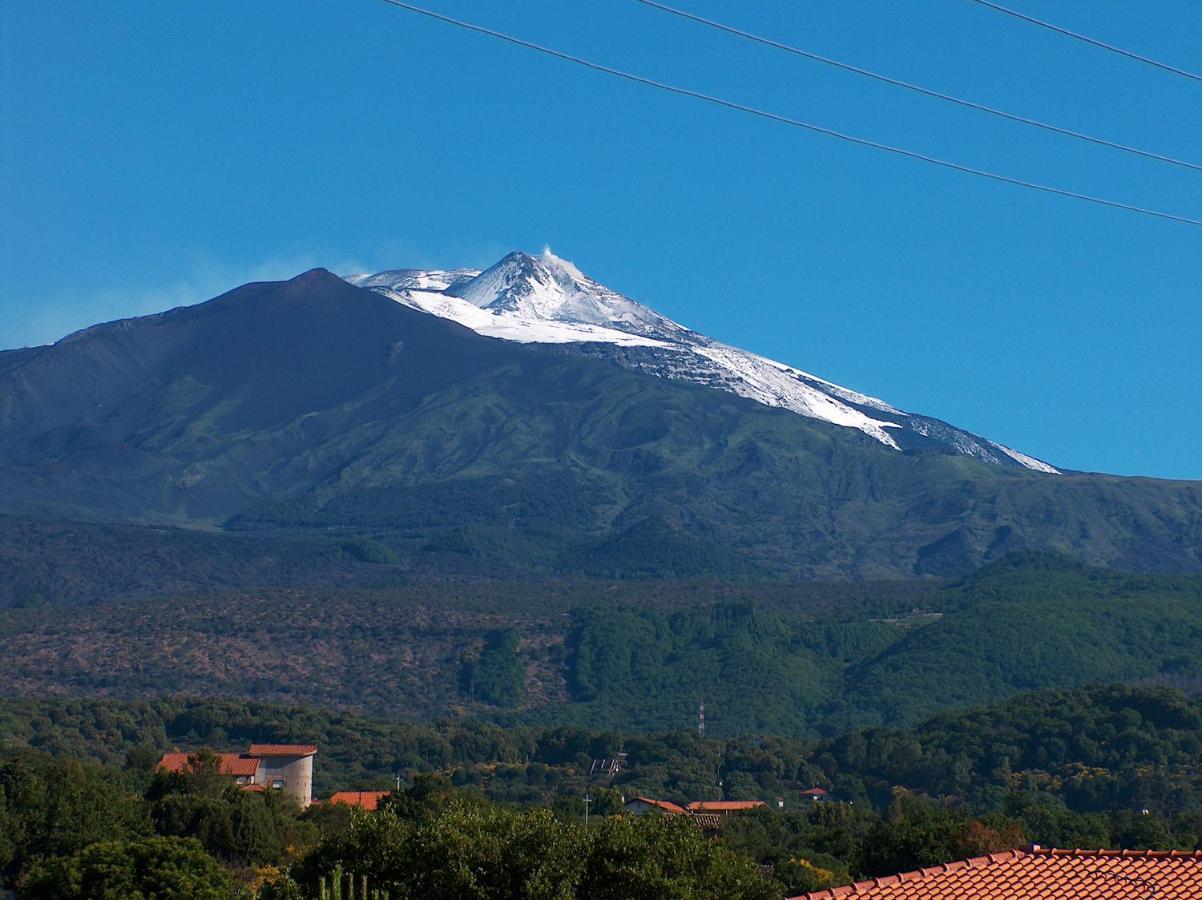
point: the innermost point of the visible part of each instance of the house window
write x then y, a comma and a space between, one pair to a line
277, 784
241, 779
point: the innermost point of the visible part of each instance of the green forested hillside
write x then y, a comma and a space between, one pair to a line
1032, 622
44, 562
1092, 749
799, 660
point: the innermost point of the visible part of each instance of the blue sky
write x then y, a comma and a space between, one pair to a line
153, 154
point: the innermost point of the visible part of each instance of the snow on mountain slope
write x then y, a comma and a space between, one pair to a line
545, 299
547, 288
415, 279
512, 327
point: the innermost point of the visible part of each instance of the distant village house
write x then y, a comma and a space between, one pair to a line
287, 768
641, 806
705, 814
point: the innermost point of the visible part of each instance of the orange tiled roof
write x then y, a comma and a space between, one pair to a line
282, 750
1042, 872
362, 799
230, 763
666, 805
723, 805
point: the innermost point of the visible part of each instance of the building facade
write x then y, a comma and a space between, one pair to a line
287, 768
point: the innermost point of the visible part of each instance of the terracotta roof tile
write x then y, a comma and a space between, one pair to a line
282, 750
362, 799
1046, 873
230, 763
666, 805
724, 805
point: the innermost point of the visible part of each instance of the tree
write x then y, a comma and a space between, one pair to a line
496, 673
196, 816
162, 868
373, 845
52, 807
654, 857
801, 874
465, 848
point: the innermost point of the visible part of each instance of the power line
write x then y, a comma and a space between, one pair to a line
1185, 73
786, 120
917, 88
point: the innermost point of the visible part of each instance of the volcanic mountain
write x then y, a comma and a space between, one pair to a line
546, 299
596, 438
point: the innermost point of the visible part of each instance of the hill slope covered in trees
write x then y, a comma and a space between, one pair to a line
639, 655
1095, 767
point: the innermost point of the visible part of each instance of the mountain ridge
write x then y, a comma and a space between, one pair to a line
547, 299
316, 407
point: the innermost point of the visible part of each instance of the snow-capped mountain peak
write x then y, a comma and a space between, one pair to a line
546, 299
548, 288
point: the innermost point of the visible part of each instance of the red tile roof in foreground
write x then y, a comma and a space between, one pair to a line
724, 805
1043, 873
362, 799
230, 763
282, 750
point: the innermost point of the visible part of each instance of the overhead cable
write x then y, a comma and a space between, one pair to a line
786, 120
910, 86
1184, 73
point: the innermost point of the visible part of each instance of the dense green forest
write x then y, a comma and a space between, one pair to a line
790, 659
486, 811
48, 563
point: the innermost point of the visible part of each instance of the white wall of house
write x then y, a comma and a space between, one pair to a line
291, 774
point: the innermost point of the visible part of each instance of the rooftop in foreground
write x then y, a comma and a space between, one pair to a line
1042, 872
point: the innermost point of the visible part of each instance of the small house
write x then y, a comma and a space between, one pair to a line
264, 767
641, 806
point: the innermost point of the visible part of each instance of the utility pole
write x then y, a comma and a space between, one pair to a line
701, 720
587, 802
